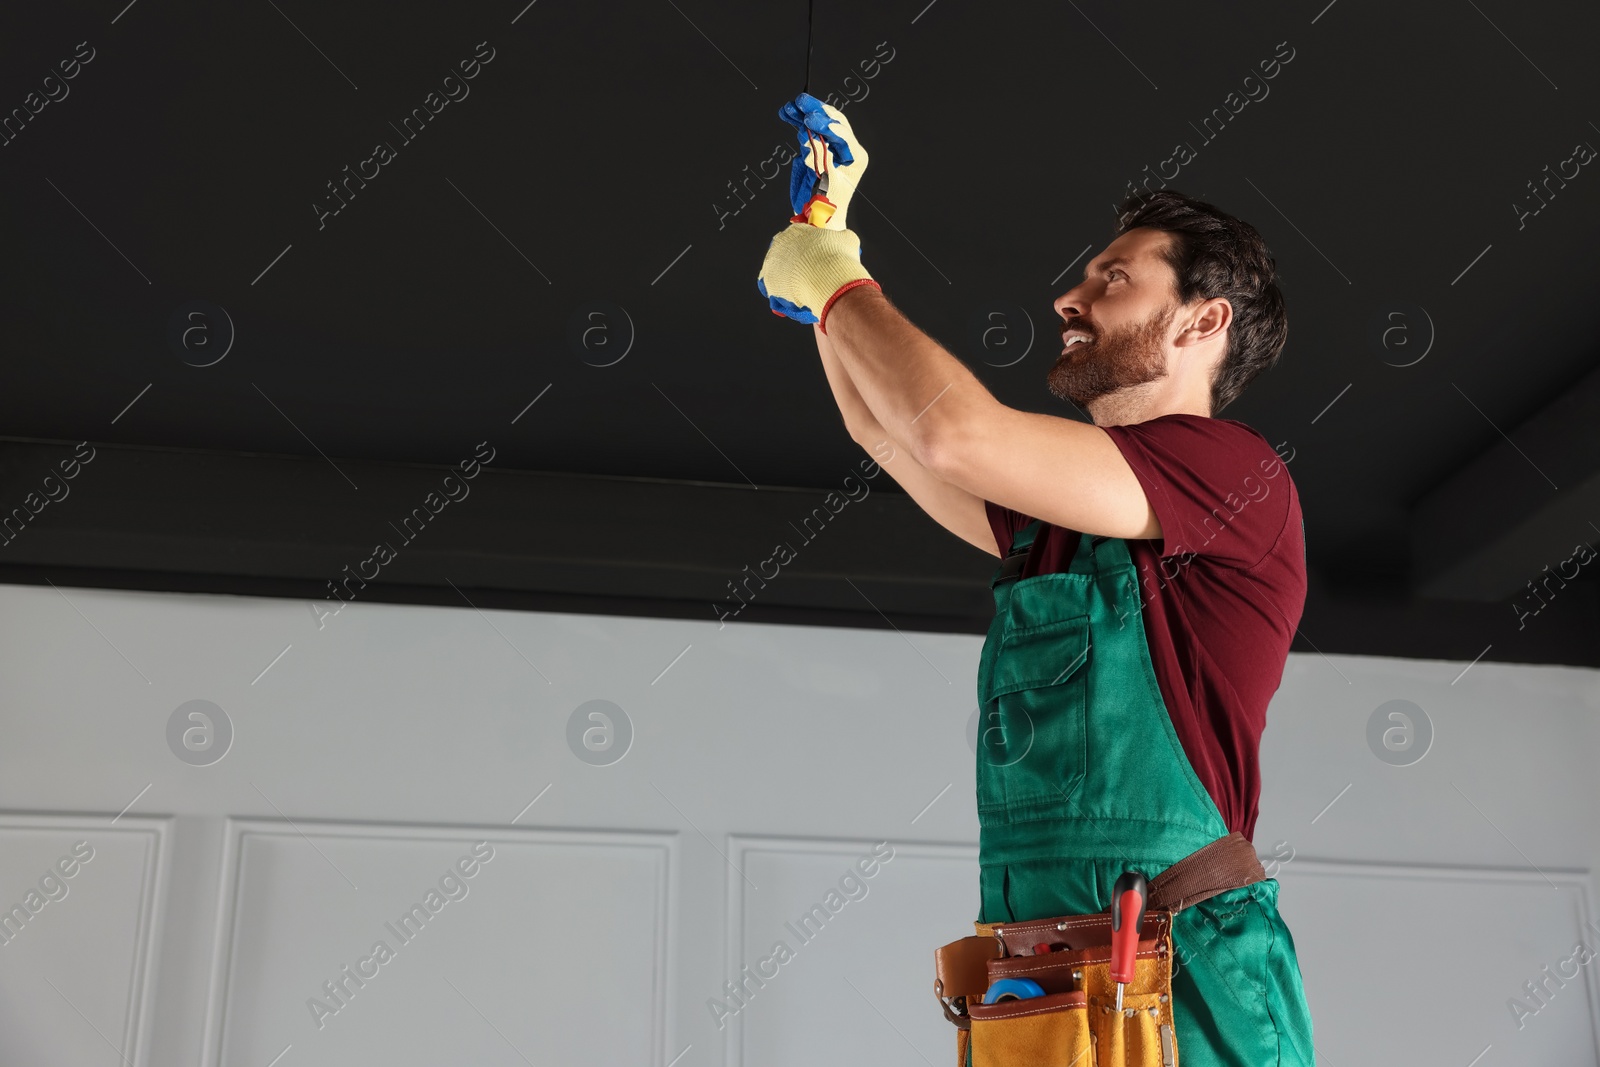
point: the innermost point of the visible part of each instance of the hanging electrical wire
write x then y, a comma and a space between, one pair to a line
811, 14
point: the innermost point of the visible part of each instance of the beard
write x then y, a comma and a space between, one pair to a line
1112, 360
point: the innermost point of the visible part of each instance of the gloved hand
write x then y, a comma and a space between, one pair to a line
807, 268
822, 130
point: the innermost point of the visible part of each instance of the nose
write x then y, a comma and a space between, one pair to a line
1072, 303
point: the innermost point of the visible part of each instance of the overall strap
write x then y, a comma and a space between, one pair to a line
1021, 549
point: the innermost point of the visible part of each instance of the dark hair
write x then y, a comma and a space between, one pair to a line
1214, 254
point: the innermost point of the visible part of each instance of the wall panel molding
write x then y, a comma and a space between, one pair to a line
660, 846
155, 834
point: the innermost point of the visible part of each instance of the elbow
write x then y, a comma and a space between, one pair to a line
937, 449
952, 437
873, 441
866, 437
960, 450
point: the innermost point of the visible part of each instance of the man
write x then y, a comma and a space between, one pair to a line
1137, 643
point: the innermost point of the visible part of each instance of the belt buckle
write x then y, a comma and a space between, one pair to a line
1012, 565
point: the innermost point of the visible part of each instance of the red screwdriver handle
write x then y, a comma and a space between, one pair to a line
1128, 899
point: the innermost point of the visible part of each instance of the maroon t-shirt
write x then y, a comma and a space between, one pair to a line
1221, 595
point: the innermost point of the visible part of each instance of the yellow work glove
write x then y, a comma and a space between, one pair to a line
824, 175
807, 268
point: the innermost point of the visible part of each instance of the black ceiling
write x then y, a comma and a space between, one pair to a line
585, 180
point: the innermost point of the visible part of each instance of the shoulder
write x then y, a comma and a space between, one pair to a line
1200, 474
1229, 433
1198, 441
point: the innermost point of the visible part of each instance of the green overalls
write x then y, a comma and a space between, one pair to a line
1081, 776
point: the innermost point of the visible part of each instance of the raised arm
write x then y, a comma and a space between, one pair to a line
960, 512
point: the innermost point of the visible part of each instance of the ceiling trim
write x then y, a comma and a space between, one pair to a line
254, 524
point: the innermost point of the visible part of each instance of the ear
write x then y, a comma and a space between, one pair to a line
1209, 320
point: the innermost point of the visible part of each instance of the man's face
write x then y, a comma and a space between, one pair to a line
1124, 306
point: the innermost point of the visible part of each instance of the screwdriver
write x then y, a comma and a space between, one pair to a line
1128, 898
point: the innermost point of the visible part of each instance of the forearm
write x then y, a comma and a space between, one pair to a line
862, 425
916, 390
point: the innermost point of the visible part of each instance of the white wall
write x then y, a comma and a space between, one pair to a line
766, 760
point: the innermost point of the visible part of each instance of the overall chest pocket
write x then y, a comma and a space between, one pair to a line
1032, 733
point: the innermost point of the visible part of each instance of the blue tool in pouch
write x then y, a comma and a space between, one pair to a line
1013, 989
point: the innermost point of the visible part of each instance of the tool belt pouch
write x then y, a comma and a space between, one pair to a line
1076, 1021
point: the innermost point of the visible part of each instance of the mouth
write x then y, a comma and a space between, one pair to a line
1072, 339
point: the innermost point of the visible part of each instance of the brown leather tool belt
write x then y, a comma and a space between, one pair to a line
964, 969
